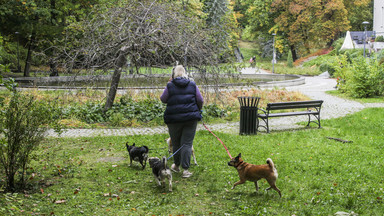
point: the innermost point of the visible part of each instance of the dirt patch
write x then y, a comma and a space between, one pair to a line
111, 159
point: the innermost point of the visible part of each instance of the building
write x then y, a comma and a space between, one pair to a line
355, 39
378, 17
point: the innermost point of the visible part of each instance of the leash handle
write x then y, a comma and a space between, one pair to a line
219, 140
176, 151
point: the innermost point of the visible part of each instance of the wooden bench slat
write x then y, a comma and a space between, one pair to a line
287, 114
298, 102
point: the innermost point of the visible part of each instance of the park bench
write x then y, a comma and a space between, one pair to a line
312, 109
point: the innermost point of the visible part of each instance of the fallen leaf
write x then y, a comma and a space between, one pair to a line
42, 191
60, 201
114, 165
197, 194
115, 195
106, 194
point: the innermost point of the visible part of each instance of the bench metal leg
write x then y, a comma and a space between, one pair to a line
265, 126
317, 118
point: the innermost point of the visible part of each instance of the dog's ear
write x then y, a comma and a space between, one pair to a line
239, 156
133, 144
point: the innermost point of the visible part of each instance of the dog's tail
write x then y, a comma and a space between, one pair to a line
270, 163
165, 161
146, 149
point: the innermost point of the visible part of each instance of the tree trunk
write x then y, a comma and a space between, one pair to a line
294, 54
28, 60
121, 61
53, 67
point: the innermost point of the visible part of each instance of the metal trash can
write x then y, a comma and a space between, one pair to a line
248, 115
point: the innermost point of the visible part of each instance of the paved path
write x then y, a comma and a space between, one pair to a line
314, 87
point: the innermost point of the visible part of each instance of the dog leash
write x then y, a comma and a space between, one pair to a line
156, 148
176, 151
218, 139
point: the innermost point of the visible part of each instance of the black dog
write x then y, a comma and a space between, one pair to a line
139, 154
161, 171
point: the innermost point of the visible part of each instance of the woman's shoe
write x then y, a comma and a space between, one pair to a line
175, 168
186, 174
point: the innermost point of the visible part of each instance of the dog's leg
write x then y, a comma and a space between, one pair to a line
257, 186
242, 181
131, 161
170, 150
194, 157
170, 182
157, 180
273, 186
141, 162
145, 161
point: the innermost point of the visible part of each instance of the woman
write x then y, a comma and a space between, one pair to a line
184, 102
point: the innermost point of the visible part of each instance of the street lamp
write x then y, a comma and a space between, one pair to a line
18, 54
274, 54
365, 23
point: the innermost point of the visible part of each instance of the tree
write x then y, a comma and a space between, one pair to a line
148, 33
304, 24
308, 23
359, 11
40, 22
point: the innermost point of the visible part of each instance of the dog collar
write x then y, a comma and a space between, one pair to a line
239, 164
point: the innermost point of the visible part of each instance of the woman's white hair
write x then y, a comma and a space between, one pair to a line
179, 71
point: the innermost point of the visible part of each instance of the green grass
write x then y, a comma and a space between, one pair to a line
282, 68
248, 49
317, 176
378, 99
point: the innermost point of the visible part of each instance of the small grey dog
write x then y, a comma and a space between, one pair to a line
160, 170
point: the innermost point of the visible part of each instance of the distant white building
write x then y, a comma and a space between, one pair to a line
378, 17
355, 39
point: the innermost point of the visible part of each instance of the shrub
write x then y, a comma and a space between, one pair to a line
213, 111
289, 59
360, 77
337, 45
23, 123
379, 38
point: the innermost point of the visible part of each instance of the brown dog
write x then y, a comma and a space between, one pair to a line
170, 150
250, 172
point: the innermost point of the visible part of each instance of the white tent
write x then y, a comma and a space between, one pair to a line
348, 43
